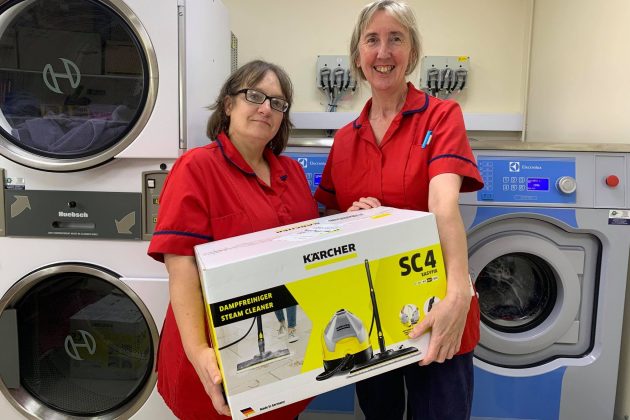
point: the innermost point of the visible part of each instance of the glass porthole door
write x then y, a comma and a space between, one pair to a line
537, 287
75, 82
86, 344
517, 292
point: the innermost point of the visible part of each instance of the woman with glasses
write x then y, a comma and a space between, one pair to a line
409, 150
237, 184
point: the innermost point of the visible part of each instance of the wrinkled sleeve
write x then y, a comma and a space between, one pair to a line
184, 213
450, 150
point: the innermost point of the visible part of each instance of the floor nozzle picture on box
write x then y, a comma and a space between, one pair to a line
263, 356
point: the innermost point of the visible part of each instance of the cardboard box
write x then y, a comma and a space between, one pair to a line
122, 58
8, 49
74, 16
39, 48
109, 339
333, 269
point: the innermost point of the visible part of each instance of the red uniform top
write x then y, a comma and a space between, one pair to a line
210, 194
398, 171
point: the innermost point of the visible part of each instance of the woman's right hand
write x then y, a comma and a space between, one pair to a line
204, 361
364, 203
188, 308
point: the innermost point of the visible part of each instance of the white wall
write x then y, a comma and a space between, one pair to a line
494, 33
580, 72
578, 78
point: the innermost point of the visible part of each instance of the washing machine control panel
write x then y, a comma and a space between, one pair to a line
313, 165
514, 179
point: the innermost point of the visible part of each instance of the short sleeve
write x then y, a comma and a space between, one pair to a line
449, 149
325, 192
184, 213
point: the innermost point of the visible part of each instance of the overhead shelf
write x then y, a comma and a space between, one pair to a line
474, 122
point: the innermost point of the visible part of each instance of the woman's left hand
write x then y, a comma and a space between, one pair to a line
364, 203
446, 321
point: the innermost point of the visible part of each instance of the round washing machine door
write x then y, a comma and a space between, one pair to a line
78, 81
86, 344
536, 289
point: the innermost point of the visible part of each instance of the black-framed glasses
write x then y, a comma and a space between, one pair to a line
256, 97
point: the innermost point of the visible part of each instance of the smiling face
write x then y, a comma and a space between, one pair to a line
250, 122
384, 52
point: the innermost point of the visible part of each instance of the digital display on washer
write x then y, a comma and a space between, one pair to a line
520, 178
537, 184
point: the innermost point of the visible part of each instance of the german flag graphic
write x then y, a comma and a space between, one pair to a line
248, 411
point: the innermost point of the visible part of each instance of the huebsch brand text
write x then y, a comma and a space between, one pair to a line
72, 214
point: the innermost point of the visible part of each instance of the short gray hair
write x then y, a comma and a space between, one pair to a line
403, 14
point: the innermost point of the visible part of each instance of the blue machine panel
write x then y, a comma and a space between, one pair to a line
339, 401
524, 180
313, 165
514, 398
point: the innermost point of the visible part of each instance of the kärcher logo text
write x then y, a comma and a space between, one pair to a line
329, 253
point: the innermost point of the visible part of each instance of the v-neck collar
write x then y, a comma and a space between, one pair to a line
233, 156
416, 101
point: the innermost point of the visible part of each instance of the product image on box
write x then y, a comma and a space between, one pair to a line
346, 345
352, 287
263, 355
253, 344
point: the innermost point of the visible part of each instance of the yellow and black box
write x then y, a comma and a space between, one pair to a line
348, 289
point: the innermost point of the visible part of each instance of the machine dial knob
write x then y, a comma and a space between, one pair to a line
566, 184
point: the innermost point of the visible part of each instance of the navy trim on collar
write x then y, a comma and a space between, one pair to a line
421, 109
404, 113
178, 232
231, 161
455, 157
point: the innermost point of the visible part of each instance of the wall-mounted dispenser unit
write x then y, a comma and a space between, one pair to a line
443, 76
334, 78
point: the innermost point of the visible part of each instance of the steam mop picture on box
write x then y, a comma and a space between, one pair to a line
263, 355
345, 334
359, 282
253, 350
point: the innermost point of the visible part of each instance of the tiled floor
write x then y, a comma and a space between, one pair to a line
271, 370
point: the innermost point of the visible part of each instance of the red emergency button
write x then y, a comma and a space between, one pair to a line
612, 181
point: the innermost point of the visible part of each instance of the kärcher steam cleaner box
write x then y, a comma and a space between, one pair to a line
300, 310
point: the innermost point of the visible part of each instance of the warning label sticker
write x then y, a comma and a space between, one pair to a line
619, 217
